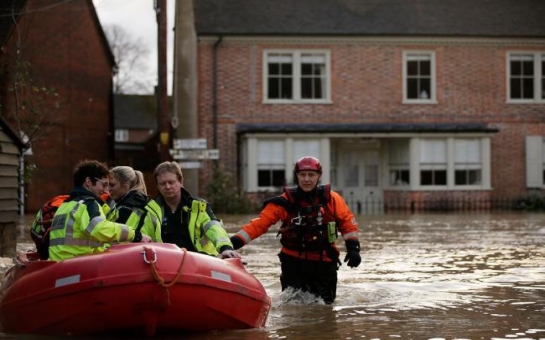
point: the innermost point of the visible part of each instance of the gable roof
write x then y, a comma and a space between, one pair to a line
11, 134
11, 10
455, 18
135, 111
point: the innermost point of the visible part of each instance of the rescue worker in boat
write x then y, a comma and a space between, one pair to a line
188, 221
133, 206
312, 215
80, 226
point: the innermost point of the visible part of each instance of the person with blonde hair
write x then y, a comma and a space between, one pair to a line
80, 226
133, 206
188, 221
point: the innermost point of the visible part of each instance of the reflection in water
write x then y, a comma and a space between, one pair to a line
422, 277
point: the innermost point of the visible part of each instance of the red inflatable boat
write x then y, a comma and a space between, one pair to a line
131, 289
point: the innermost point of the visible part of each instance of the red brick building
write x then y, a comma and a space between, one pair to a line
404, 102
56, 65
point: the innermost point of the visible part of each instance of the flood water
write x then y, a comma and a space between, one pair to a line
454, 276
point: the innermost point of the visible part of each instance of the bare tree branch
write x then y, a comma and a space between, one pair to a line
130, 55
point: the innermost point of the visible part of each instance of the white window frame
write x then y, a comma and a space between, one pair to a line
432, 160
415, 166
121, 135
420, 55
318, 147
467, 163
265, 148
296, 77
538, 76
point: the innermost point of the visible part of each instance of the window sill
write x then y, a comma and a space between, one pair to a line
298, 102
425, 102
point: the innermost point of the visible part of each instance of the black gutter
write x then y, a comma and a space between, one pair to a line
215, 92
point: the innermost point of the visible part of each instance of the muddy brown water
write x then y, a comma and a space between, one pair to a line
454, 276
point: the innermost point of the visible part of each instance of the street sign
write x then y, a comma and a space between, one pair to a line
190, 165
195, 154
197, 143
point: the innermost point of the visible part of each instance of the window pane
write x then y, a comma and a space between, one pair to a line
306, 69
528, 88
516, 68
306, 88
412, 68
425, 68
312, 73
271, 152
371, 175
433, 151
412, 88
399, 177
274, 69
351, 177
307, 147
528, 68
425, 89
287, 69
467, 177
274, 88
280, 76
474, 177
263, 178
522, 76
440, 177
286, 88
278, 178
318, 86
426, 177
460, 177
515, 86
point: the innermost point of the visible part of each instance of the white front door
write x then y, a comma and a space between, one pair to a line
359, 180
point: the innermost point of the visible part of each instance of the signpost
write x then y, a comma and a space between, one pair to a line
191, 151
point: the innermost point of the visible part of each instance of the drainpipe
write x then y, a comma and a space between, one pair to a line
215, 93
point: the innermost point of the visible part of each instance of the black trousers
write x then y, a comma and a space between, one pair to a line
316, 277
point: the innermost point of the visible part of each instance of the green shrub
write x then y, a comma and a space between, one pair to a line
225, 196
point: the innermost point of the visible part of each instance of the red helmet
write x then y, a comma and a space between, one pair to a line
308, 163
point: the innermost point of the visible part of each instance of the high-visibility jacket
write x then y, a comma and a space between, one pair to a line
80, 227
205, 231
139, 212
309, 223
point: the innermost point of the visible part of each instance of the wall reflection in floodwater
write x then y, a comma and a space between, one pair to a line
422, 277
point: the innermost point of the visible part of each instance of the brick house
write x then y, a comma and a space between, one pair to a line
136, 134
60, 57
406, 103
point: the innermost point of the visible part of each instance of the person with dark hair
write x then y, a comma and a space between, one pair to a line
133, 206
312, 215
80, 226
188, 221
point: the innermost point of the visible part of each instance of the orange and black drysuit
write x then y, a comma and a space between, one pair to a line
311, 222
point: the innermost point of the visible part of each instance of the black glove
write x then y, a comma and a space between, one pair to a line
137, 236
237, 242
352, 253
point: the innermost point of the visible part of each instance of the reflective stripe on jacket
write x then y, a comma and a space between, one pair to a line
205, 231
208, 235
80, 227
152, 220
273, 213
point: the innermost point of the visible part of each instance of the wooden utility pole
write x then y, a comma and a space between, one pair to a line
161, 89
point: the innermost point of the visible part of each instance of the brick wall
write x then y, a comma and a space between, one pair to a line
367, 88
67, 53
